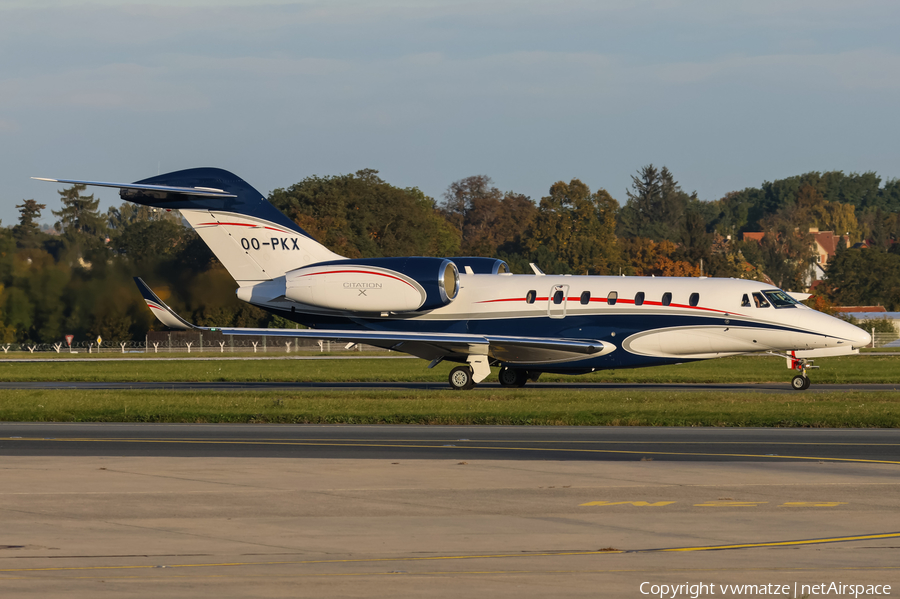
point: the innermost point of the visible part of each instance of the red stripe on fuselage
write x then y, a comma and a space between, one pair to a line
513, 299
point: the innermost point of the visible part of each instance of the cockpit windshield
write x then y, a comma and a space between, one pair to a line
780, 299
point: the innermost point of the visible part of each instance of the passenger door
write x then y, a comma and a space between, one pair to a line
556, 303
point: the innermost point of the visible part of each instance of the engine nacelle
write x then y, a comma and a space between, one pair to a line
375, 284
482, 266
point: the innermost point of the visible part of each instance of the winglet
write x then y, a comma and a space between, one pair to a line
163, 313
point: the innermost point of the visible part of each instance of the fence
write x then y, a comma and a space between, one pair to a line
195, 342
884, 339
191, 341
213, 342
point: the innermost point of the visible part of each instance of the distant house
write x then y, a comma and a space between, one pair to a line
826, 245
756, 236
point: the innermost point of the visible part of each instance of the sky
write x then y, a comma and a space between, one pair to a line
725, 94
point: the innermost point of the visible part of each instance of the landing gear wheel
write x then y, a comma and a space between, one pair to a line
461, 378
800, 382
512, 377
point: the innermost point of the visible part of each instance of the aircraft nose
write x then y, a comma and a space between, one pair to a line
858, 337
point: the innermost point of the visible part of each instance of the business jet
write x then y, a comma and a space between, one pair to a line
473, 311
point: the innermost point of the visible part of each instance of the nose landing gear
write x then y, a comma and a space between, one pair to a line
800, 382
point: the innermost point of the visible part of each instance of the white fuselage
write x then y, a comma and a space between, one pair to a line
645, 317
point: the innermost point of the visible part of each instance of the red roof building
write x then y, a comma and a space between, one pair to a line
826, 244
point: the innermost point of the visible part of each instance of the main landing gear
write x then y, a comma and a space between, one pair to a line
467, 376
462, 378
512, 377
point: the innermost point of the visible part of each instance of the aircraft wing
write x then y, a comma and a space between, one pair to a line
430, 346
446, 345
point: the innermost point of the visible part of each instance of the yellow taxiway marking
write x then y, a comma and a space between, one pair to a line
730, 504
634, 503
445, 446
889, 535
813, 504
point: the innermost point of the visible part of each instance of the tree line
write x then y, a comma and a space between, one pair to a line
77, 277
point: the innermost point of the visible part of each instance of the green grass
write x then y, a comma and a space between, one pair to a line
530, 405
850, 369
184, 355
480, 406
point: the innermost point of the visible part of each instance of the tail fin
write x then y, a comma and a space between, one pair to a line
253, 239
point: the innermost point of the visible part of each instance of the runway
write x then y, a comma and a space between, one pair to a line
301, 386
384, 442
219, 511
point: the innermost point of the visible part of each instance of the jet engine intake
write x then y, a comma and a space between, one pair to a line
375, 284
482, 266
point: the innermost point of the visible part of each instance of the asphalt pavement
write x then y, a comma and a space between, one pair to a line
560, 443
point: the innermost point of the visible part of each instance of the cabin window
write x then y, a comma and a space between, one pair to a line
639, 298
585, 297
611, 298
529, 297
760, 301
558, 296
666, 298
780, 299
745, 301
695, 299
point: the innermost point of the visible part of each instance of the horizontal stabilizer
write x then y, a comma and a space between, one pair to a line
163, 313
204, 192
